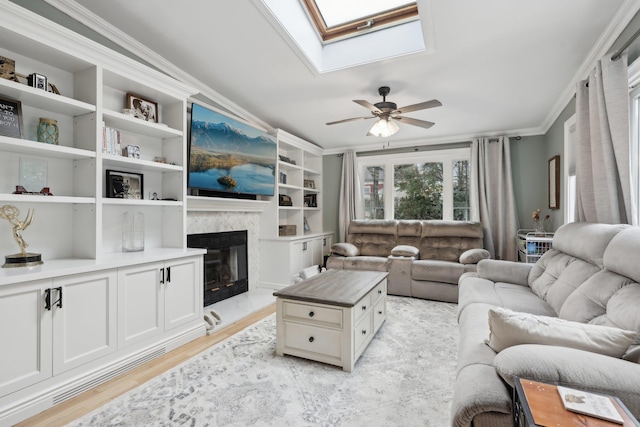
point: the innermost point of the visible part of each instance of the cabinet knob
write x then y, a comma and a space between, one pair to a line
379, 291
364, 332
379, 311
364, 307
311, 314
311, 339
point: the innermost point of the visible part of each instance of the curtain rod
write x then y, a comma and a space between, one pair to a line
616, 55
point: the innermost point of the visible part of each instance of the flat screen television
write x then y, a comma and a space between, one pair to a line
229, 158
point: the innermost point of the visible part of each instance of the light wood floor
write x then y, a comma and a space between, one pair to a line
92, 399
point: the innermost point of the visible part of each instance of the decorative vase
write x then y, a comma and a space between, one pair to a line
48, 131
132, 232
539, 227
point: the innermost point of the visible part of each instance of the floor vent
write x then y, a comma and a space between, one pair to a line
108, 376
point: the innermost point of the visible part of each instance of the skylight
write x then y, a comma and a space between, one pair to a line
337, 19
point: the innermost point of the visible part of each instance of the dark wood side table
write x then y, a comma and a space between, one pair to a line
537, 404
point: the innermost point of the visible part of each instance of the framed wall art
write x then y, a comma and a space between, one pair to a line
554, 182
124, 185
142, 108
10, 117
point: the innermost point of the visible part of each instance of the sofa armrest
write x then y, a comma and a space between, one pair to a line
504, 271
405, 250
344, 249
473, 256
573, 368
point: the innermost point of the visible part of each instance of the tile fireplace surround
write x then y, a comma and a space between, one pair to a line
218, 221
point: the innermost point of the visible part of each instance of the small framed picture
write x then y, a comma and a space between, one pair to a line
309, 183
142, 108
124, 185
10, 117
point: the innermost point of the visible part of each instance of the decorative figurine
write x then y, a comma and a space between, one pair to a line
23, 259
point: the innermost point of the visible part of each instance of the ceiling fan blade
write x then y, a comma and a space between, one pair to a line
350, 120
415, 122
421, 106
368, 105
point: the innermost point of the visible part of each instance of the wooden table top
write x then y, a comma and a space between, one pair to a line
335, 287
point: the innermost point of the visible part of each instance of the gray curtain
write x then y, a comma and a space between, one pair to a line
351, 198
603, 178
495, 206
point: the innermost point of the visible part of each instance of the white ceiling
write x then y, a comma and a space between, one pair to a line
499, 66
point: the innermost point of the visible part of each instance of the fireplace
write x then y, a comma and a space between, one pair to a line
225, 263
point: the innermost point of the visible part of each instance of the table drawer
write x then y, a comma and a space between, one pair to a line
313, 339
362, 332
313, 314
379, 313
379, 291
362, 307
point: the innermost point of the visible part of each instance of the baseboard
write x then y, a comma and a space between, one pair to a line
46, 394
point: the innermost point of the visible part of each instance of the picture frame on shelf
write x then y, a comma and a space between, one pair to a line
124, 185
10, 117
554, 182
309, 183
143, 109
7, 68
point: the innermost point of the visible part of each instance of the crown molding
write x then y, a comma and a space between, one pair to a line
103, 28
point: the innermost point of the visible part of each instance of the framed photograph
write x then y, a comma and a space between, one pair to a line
309, 183
142, 108
124, 185
10, 117
554, 182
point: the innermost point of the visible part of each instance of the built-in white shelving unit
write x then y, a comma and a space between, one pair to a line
292, 236
142, 304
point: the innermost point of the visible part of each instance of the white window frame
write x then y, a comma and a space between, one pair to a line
569, 158
387, 161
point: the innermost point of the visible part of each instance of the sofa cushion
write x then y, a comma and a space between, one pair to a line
447, 240
586, 241
439, 271
556, 275
473, 256
370, 263
405, 250
345, 249
373, 237
509, 328
621, 256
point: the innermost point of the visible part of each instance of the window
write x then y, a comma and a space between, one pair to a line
570, 170
634, 149
426, 185
336, 19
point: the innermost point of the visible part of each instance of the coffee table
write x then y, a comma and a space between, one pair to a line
331, 317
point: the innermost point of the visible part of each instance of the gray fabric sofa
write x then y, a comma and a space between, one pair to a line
590, 277
424, 259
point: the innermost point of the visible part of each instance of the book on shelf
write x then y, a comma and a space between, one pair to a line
595, 405
111, 140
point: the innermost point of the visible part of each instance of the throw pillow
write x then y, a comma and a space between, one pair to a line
473, 256
345, 249
509, 328
405, 250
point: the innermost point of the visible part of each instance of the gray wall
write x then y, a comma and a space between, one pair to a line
331, 178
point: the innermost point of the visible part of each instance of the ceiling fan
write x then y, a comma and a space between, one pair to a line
387, 114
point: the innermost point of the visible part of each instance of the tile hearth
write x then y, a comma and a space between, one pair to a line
240, 306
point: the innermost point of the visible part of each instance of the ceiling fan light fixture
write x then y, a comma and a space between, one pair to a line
384, 127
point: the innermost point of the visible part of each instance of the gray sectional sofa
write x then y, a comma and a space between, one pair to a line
424, 259
572, 318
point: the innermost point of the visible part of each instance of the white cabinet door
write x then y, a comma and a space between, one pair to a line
25, 333
316, 251
183, 290
140, 303
84, 319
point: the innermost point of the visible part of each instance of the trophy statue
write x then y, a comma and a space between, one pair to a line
23, 259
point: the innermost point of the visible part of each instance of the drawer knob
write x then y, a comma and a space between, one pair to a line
311, 339
379, 291
364, 332
379, 311
311, 314
364, 307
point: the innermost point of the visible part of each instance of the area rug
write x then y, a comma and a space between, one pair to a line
404, 378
